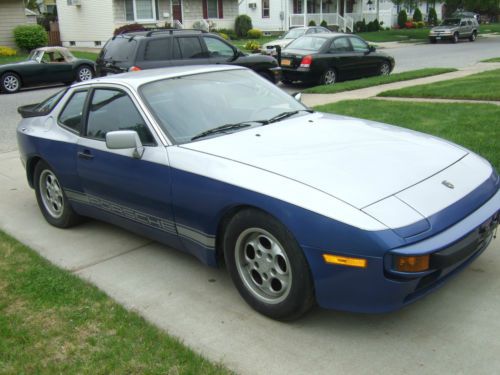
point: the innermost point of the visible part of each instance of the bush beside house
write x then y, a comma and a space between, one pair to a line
29, 37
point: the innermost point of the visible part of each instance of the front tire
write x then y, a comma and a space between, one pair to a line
329, 77
10, 83
384, 69
433, 40
51, 198
84, 73
267, 266
455, 38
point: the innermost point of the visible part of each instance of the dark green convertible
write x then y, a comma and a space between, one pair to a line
45, 65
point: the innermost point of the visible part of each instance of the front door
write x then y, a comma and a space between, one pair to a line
118, 187
177, 10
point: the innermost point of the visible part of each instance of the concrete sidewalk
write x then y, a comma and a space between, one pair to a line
455, 330
312, 100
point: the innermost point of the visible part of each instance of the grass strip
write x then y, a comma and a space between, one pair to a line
52, 322
375, 81
474, 126
480, 86
493, 60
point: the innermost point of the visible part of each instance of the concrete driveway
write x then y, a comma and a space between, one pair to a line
455, 330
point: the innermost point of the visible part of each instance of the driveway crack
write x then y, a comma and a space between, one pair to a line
86, 266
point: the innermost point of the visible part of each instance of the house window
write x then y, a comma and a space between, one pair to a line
297, 6
265, 8
141, 10
212, 11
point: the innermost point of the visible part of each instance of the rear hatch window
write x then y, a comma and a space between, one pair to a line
119, 49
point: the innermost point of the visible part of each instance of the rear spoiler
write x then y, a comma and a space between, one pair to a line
29, 110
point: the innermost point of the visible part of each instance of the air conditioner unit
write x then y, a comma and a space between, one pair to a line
252, 5
74, 2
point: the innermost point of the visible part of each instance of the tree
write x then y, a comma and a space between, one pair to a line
33, 5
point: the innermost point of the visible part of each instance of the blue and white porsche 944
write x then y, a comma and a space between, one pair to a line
301, 206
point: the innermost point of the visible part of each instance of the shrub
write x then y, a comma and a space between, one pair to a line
409, 25
254, 34
223, 36
373, 26
252, 46
402, 18
433, 18
420, 24
29, 37
7, 51
129, 28
242, 24
360, 26
417, 15
229, 32
312, 23
323, 23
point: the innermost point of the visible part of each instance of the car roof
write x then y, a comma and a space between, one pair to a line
329, 35
136, 79
53, 49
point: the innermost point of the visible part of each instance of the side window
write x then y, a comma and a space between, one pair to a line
191, 48
114, 110
71, 116
176, 51
469, 23
340, 45
157, 49
217, 48
358, 45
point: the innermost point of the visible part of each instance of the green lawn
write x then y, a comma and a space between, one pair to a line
494, 59
481, 86
489, 28
396, 35
22, 56
475, 126
52, 322
375, 81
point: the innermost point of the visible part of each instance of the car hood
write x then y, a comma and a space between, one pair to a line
357, 161
278, 42
442, 28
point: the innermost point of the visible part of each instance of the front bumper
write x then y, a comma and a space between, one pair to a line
378, 288
441, 36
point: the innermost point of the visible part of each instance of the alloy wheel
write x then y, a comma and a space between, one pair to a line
84, 74
51, 194
11, 83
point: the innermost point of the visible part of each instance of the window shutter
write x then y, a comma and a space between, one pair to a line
205, 9
221, 11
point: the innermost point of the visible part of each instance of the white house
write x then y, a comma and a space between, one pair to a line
276, 15
90, 23
12, 13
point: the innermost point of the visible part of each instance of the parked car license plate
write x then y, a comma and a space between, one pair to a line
286, 62
438, 37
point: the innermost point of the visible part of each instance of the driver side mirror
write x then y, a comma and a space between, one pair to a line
297, 96
125, 139
371, 48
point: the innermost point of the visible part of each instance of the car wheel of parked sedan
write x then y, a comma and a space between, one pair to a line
432, 40
10, 83
385, 69
473, 37
455, 38
267, 265
329, 77
51, 198
84, 73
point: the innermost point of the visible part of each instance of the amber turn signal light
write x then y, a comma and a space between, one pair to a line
345, 261
412, 263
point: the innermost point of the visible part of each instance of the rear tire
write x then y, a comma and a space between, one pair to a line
432, 40
84, 73
473, 36
51, 198
384, 69
329, 77
267, 265
10, 83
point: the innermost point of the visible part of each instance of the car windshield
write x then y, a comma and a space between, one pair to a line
185, 107
36, 55
294, 33
451, 22
308, 42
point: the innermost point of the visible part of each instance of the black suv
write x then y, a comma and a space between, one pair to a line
173, 47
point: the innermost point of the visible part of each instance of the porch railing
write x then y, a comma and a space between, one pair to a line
304, 19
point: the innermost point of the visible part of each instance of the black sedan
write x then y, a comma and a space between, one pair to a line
327, 58
45, 65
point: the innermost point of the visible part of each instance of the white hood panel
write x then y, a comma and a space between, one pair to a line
357, 161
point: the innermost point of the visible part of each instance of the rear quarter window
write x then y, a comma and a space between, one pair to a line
158, 49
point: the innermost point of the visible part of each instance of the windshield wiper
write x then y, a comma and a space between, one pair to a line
224, 128
285, 115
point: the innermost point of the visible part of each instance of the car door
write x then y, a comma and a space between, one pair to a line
340, 56
188, 50
463, 29
58, 70
131, 191
219, 52
366, 62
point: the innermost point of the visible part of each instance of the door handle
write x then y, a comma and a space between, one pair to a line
85, 155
